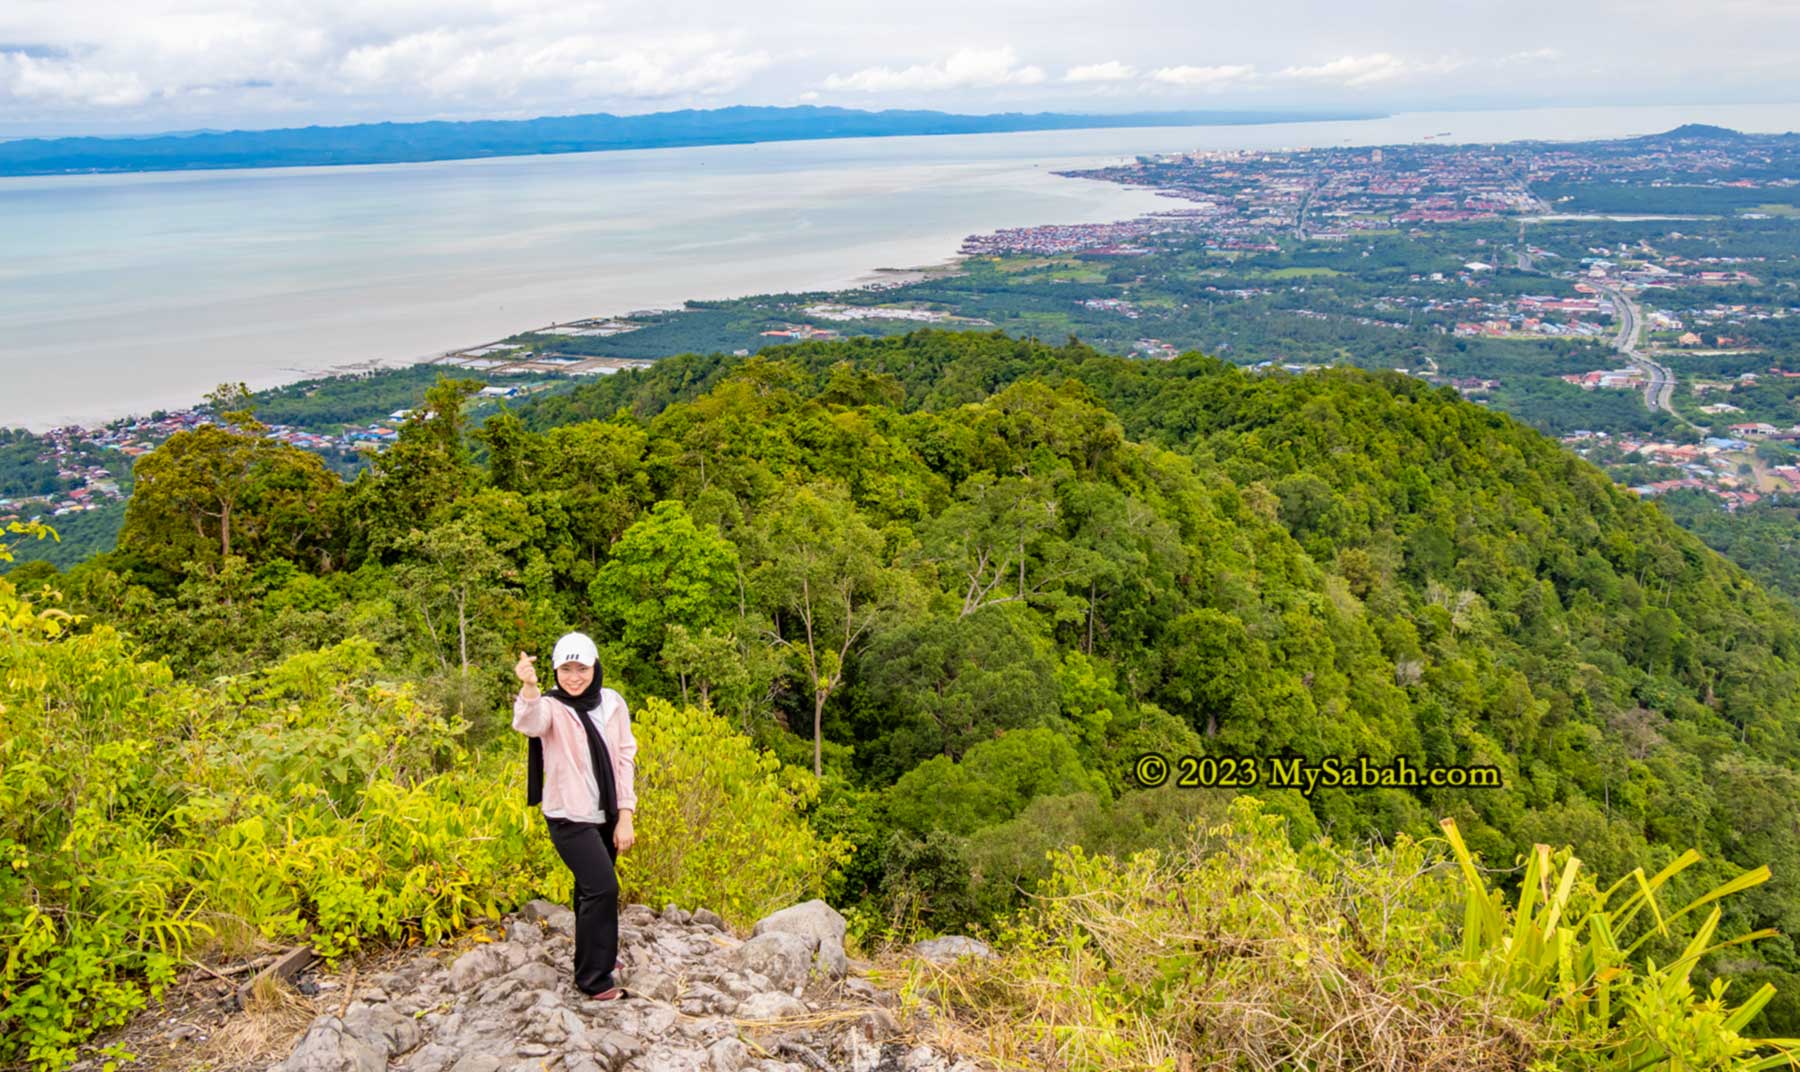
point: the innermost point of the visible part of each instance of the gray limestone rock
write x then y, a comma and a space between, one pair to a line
622, 1046
864, 991
431, 1057
562, 924
781, 956
381, 1028
327, 1048
512, 954
831, 961
475, 967
727, 1055
697, 1030
770, 1005
511, 1006
539, 910
758, 981
707, 972
813, 919
702, 1000
536, 976
949, 948
656, 1018
653, 984
497, 991
820, 925
737, 984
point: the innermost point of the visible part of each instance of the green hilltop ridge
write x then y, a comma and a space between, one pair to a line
1698, 132
969, 580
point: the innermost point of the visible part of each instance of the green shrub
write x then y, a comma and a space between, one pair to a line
145, 821
720, 822
992, 783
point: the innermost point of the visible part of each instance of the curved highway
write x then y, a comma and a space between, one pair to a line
1660, 390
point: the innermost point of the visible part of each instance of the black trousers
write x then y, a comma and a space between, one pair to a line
587, 849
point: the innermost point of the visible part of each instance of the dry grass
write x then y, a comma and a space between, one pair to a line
273, 1019
1241, 952
1269, 1016
1231, 955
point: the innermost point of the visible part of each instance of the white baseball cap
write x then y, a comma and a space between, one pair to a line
575, 648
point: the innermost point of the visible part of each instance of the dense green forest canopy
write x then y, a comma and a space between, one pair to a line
1422, 577
969, 578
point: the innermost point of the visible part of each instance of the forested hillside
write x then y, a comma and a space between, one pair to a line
965, 580
1424, 578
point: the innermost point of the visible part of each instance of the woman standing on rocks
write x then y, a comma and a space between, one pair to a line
581, 757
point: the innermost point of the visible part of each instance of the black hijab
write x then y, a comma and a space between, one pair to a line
585, 700
584, 703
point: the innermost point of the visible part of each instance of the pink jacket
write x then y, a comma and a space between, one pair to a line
570, 790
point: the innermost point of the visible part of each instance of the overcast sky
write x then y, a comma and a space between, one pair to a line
99, 66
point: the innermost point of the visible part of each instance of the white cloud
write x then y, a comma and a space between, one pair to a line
100, 66
474, 64
968, 68
58, 80
1204, 77
454, 57
1110, 71
1367, 70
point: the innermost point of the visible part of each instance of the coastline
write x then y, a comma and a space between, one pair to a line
865, 279
375, 144
395, 265
897, 276
1160, 308
451, 260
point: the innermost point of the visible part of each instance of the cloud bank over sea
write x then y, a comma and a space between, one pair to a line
91, 67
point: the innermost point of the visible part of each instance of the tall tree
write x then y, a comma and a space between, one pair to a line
456, 582
666, 572
938, 684
425, 471
1002, 543
224, 489
822, 569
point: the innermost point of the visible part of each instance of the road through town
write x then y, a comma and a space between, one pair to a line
1659, 390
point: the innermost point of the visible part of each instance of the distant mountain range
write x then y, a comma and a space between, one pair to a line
388, 143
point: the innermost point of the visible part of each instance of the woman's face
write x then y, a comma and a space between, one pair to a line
574, 677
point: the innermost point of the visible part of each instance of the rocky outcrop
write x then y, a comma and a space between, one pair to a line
702, 1000
950, 948
820, 926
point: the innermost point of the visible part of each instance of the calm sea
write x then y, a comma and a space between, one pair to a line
125, 293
